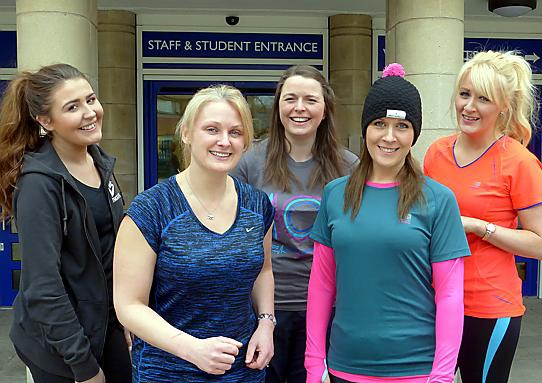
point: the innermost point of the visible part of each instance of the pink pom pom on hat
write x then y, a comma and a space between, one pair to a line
394, 69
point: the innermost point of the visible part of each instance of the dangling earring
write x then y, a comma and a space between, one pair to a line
501, 114
42, 131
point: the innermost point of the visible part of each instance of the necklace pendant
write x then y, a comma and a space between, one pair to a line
210, 217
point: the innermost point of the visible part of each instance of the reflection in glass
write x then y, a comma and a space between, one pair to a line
16, 254
522, 270
169, 111
15, 279
260, 107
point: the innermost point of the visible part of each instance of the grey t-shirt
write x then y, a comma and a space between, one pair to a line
295, 213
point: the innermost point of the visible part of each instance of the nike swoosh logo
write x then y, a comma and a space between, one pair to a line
249, 229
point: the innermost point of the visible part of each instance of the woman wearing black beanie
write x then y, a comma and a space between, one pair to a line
388, 253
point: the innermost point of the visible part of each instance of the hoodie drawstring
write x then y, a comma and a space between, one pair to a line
65, 217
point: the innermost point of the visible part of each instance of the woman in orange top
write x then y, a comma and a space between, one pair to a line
496, 180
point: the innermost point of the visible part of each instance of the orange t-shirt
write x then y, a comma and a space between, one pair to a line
504, 179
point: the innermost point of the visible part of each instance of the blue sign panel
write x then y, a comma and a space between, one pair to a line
529, 48
232, 45
8, 54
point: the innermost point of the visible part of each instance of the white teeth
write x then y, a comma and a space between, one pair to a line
300, 119
89, 127
468, 118
218, 154
387, 150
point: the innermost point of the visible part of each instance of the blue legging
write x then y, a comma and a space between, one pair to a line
487, 349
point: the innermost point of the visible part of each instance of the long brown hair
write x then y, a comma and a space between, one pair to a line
27, 96
410, 180
325, 150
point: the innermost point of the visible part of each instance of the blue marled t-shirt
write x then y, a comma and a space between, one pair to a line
202, 280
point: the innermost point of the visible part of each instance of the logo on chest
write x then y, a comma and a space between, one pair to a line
111, 189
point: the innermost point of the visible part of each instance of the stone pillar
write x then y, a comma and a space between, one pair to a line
426, 37
350, 72
58, 31
117, 75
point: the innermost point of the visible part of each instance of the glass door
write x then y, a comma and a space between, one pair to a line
165, 102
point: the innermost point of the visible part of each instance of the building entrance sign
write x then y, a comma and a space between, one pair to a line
232, 45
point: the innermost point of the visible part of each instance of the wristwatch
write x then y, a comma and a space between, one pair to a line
271, 317
490, 229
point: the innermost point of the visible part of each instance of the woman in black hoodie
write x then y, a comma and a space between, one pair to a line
59, 186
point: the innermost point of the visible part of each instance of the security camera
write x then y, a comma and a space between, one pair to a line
232, 20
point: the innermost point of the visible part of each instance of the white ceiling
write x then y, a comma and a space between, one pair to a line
473, 8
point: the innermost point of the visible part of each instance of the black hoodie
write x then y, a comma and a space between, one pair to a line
60, 314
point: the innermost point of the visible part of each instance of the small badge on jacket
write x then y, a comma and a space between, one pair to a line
111, 188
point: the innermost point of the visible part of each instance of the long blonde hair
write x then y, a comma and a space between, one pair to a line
506, 79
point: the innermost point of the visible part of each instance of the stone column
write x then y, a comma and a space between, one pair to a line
117, 75
426, 37
56, 31
350, 72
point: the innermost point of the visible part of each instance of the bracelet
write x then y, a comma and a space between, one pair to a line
268, 316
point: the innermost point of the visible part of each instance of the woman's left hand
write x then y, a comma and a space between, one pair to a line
260, 348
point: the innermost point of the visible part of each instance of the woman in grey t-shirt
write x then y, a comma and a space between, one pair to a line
292, 166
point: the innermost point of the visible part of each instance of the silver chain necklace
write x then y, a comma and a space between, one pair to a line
210, 214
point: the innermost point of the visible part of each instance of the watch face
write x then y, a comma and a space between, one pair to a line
490, 228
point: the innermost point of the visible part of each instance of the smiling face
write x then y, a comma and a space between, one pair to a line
388, 141
216, 138
75, 117
477, 115
301, 108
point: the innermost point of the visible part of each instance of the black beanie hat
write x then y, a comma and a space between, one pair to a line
393, 96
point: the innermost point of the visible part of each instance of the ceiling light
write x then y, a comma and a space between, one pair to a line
511, 8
